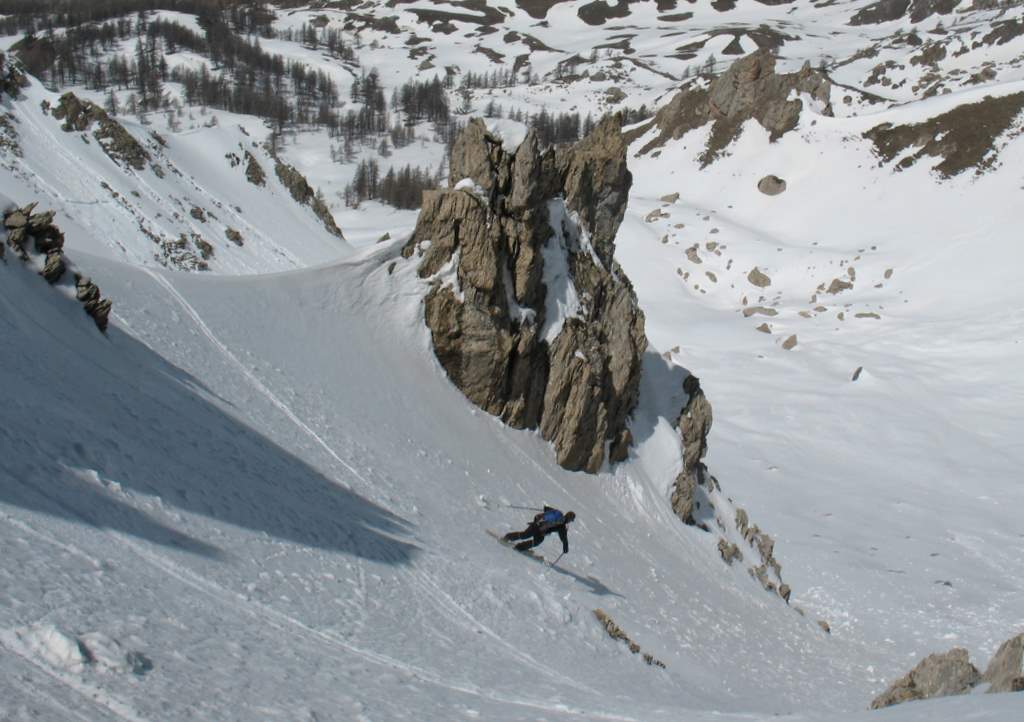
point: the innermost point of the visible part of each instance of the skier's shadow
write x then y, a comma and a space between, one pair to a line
595, 585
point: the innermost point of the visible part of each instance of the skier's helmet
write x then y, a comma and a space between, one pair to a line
570, 515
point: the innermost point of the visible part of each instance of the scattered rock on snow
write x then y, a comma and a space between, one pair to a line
771, 185
615, 632
789, 343
758, 278
762, 310
729, 551
838, 285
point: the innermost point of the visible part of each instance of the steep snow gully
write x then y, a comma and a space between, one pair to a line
267, 488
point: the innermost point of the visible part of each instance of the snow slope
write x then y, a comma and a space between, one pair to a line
267, 487
258, 497
138, 216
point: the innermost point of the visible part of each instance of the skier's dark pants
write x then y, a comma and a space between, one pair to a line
532, 535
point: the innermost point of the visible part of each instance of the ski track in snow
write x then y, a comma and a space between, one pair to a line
870, 540
443, 601
249, 375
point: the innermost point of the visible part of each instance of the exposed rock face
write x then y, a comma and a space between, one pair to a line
12, 79
937, 675
254, 171
963, 138
729, 551
89, 294
530, 315
47, 244
81, 115
616, 632
750, 88
1005, 672
300, 189
771, 185
885, 11
694, 426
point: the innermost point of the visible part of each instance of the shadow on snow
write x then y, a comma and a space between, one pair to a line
87, 423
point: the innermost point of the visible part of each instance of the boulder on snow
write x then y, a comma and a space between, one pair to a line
758, 278
838, 285
937, 675
1005, 673
771, 185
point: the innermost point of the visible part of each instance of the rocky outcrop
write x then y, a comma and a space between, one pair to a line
884, 11
616, 633
530, 315
941, 675
254, 171
12, 77
694, 425
962, 139
937, 675
300, 189
120, 145
1005, 673
33, 237
750, 88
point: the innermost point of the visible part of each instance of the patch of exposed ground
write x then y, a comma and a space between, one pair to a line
963, 138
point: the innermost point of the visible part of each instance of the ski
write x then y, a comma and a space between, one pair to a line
526, 553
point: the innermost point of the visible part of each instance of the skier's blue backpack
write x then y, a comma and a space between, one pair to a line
552, 516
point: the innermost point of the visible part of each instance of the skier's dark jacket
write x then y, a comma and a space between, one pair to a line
551, 520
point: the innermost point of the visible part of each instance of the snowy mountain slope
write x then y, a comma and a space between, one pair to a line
188, 488
180, 209
894, 496
266, 487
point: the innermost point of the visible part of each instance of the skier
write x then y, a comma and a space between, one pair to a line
549, 520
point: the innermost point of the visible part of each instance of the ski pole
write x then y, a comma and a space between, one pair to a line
527, 508
556, 560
